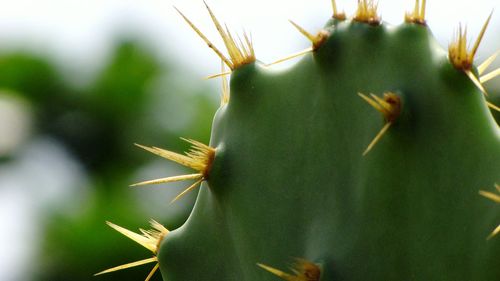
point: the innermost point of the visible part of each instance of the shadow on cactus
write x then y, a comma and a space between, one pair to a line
300, 165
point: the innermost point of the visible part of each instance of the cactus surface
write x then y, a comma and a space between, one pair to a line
366, 160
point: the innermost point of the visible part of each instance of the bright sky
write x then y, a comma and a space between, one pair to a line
81, 31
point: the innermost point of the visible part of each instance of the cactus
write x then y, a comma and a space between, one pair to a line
366, 160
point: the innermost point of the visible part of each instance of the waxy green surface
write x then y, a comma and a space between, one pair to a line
289, 179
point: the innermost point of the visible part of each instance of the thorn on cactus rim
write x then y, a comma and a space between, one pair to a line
303, 271
476, 81
134, 264
316, 40
336, 14
292, 56
185, 191
199, 158
225, 87
492, 106
204, 38
484, 65
418, 14
458, 53
496, 198
149, 239
240, 52
221, 74
367, 12
487, 77
389, 107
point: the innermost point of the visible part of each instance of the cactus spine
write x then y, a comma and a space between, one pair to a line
293, 168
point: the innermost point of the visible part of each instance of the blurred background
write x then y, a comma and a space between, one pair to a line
81, 81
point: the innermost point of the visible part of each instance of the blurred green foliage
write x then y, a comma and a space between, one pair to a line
98, 125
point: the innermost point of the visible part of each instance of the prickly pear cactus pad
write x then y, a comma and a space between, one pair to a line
375, 157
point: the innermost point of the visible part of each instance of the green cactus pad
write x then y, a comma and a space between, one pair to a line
289, 178
370, 159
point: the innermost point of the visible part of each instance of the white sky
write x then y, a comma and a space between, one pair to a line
81, 31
